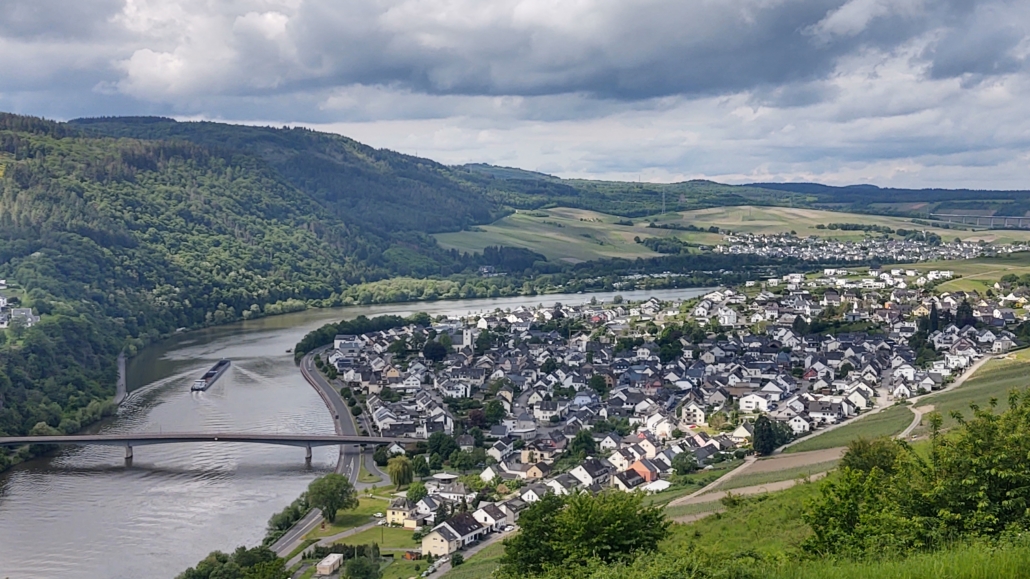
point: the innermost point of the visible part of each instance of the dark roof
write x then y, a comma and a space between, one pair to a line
464, 524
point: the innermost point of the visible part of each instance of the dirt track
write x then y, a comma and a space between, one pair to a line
785, 461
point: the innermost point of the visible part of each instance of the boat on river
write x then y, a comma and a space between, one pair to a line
204, 382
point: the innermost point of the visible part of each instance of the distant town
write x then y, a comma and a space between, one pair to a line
653, 381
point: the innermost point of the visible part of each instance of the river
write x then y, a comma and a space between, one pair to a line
84, 513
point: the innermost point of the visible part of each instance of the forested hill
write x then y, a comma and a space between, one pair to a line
382, 190
394, 193
119, 241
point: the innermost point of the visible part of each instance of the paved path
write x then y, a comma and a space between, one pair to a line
332, 539
711, 486
919, 411
752, 490
350, 454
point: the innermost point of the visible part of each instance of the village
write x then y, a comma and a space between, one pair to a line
921, 247
567, 398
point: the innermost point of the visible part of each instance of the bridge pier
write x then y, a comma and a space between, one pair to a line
307, 454
128, 452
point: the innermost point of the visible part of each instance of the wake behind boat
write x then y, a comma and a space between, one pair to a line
209, 377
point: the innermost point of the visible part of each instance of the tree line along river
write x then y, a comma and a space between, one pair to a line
84, 513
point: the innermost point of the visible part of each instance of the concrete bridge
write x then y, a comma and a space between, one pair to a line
130, 440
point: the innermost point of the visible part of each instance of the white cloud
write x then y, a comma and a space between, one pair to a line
903, 92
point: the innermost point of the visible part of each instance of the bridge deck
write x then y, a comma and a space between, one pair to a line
140, 439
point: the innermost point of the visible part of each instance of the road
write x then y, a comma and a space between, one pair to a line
350, 454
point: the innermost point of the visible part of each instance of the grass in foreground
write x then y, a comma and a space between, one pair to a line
480, 565
350, 519
760, 478
885, 423
769, 524
993, 380
693, 509
965, 562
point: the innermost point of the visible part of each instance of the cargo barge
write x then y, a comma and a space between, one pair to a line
209, 377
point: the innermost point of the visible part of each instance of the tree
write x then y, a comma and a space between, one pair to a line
964, 314
380, 456
569, 531
494, 412
764, 440
537, 544
446, 341
457, 559
434, 351
583, 444
484, 341
549, 365
684, 463
864, 455
598, 384
417, 491
442, 444
362, 568
331, 493
420, 466
935, 318
462, 460
845, 369
400, 470
435, 461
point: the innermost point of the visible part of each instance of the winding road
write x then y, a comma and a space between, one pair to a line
350, 454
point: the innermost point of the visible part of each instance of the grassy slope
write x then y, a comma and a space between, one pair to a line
761, 478
994, 380
979, 274
578, 234
959, 563
885, 423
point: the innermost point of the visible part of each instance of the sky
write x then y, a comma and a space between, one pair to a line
904, 93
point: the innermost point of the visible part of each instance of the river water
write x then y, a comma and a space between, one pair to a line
84, 513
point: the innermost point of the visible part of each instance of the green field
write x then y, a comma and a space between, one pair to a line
480, 565
993, 380
402, 569
350, 519
979, 274
761, 478
767, 523
580, 235
884, 423
386, 537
